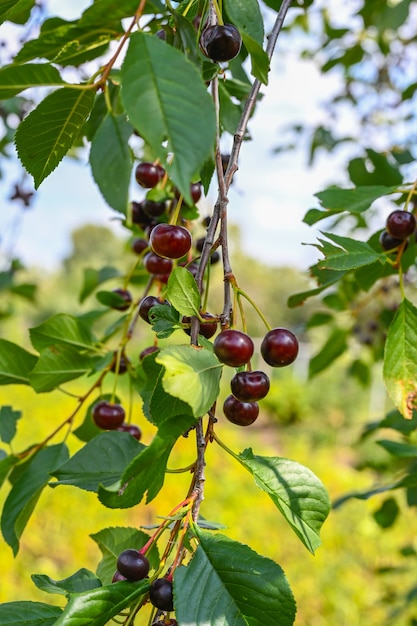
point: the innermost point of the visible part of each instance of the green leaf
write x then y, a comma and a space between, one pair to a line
164, 319
388, 512
45, 135
182, 292
83, 580
15, 364
400, 360
62, 329
58, 365
355, 200
397, 448
25, 613
298, 494
22, 498
93, 278
350, 255
335, 345
112, 541
17, 11
260, 61
8, 419
158, 405
191, 374
111, 160
6, 465
98, 606
101, 461
17, 78
248, 588
146, 472
167, 102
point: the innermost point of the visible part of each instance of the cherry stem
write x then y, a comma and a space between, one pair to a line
255, 306
104, 76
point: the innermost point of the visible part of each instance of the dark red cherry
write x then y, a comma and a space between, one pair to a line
126, 296
156, 264
161, 594
139, 216
170, 241
240, 413
145, 306
400, 224
139, 245
132, 564
388, 242
122, 366
233, 347
154, 209
220, 42
108, 416
279, 347
250, 386
131, 429
207, 328
148, 175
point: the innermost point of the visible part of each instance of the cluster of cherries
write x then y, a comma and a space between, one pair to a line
400, 225
235, 348
133, 565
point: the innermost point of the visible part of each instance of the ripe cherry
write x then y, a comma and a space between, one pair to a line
400, 224
145, 306
118, 577
154, 209
139, 245
195, 192
220, 42
148, 175
108, 416
131, 429
132, 564
240, 413
157, 265
126, 296
139, 216
122, 366
388, 242
233, 347
250, 386
279, 347
146, 351
207, 328
170, 241
161, 594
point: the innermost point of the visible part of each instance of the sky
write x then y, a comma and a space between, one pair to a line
268, 199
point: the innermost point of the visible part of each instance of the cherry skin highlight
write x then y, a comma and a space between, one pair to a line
148, 175
161, 595
400, 224
170, 241
250, 386
220, 42
240, 413
132, 564
108, 416
233, 347
279, 347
